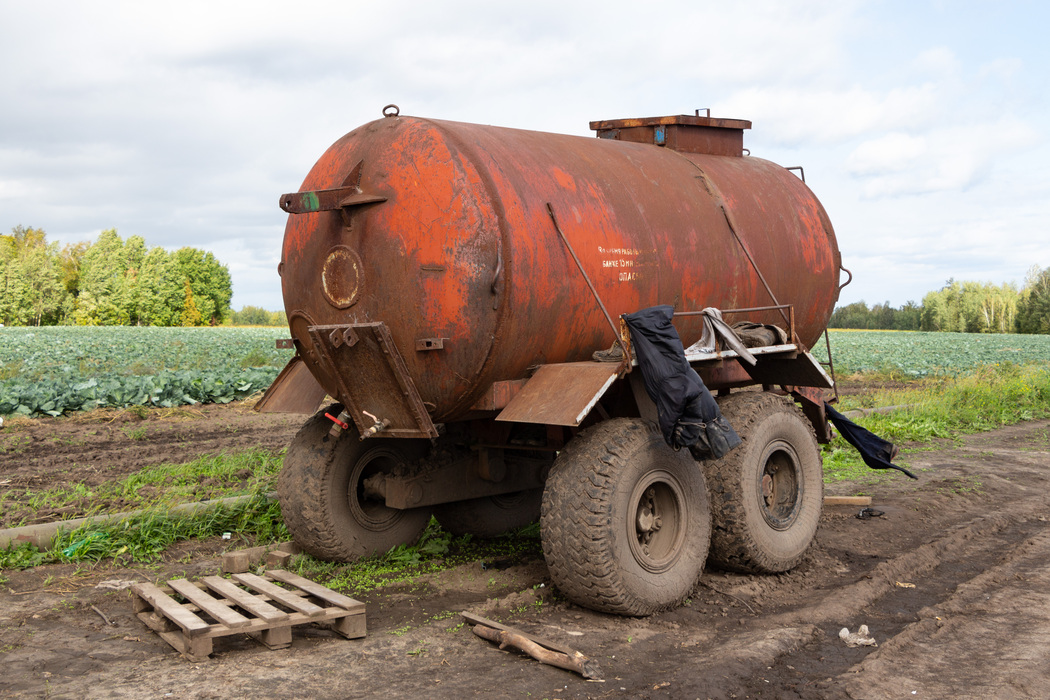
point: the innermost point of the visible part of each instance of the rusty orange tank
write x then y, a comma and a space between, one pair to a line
440, 231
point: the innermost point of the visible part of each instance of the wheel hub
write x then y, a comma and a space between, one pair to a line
365, 489
656, 532
779, 487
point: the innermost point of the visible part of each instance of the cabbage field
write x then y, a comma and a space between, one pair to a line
56, 370
914, 355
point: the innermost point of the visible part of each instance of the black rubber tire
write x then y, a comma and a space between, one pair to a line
326, 517
757, 531
490, 516
594, 520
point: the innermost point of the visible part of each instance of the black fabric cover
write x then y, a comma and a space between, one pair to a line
875, 451
689, 415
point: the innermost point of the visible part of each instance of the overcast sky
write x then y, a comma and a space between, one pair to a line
922, 125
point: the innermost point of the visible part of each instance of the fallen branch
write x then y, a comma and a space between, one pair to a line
102, 615
576, 662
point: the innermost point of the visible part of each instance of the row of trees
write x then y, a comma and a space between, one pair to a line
258, 316
965, 307
108, 282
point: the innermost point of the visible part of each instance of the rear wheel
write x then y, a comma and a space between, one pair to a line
625, 520
492, 515
767, 494
322, 494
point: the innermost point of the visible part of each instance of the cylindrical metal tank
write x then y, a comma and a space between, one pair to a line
442, 232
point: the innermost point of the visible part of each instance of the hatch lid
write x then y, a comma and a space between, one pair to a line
679, 132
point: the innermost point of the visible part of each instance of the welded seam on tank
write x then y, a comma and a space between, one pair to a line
472, 395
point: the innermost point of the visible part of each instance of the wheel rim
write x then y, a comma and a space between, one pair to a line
656, 528
370, 512
780, 486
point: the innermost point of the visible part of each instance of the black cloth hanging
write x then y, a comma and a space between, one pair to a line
689, 416
875, 451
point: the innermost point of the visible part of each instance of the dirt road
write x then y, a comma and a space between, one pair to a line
953, 582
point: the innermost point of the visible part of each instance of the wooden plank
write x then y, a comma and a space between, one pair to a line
279, 594
203, 600
847, 500
479, 620
246, 600
171, 609
317, 590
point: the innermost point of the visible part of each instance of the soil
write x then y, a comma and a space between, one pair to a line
952, 581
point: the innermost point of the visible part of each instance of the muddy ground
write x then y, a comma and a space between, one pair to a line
953, 582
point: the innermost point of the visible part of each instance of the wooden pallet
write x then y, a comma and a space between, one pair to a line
216, 607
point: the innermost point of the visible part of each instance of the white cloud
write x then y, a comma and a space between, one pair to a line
952, 158
183, 123
940, 61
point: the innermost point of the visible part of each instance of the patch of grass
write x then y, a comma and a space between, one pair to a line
145, 537
10, 370
436, 551
136, 433
256, 357
158, 487
963, 486
944, 408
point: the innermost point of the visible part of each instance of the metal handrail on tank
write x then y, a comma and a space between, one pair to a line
755, 309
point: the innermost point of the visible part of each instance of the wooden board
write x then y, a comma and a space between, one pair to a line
216, 607
279, 594
220, 610
847, 500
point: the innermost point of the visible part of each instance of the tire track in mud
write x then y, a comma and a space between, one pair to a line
971, 535
980, 566
50, 451
998, 619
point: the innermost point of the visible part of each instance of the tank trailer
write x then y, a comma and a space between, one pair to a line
447, 285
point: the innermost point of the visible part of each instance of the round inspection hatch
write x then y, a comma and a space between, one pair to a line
342, 277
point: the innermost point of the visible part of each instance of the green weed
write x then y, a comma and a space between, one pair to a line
436, 551
136, 433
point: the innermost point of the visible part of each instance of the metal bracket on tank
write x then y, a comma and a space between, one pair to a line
373, 382
327, 200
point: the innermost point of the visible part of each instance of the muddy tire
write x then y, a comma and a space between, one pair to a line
490, 516
322, 497
767, 494
625, 520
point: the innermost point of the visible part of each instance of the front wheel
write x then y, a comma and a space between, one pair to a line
625, 520
323, 499
767, 494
